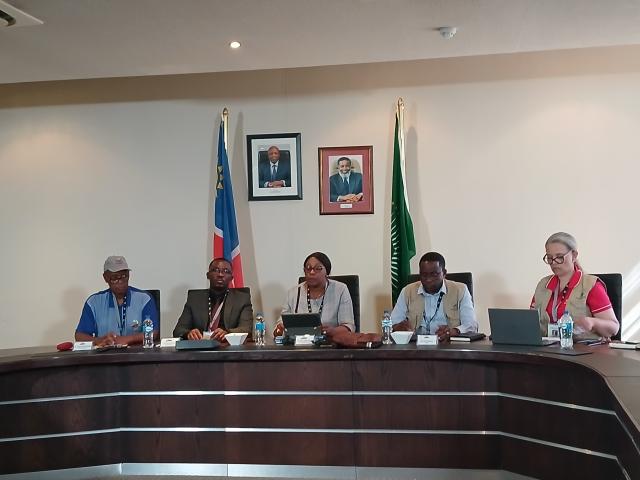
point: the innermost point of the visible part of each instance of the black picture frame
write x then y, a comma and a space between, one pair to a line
260, 177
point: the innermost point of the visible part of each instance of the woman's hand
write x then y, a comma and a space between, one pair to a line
279, 330
585, 323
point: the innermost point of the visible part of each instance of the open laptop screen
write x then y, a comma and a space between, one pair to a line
302, 323
515, 326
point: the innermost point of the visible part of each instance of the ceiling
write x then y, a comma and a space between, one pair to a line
114, 38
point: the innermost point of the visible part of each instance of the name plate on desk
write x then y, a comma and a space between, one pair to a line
168, 342
427, 340
304, 340
82, 346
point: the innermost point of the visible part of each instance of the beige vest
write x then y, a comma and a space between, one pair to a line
576, 303
450, 303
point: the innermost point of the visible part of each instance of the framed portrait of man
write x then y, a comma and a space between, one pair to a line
274, 166
346, 180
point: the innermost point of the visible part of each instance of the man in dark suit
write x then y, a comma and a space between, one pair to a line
275, 173
346, 185
218, 310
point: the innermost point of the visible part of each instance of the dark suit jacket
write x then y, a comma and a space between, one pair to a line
337, 187
282, 173
237, 314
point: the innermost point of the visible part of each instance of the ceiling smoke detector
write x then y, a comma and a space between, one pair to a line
448, 32
12, 17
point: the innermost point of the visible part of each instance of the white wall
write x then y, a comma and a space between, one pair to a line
502, 151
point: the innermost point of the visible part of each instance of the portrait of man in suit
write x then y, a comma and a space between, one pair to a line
275, 172
346, 185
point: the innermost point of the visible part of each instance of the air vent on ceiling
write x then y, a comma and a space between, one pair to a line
12, 17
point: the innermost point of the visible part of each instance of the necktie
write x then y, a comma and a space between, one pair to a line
345, 183
273, 172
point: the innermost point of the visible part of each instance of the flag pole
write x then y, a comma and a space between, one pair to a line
402, 153
225, 118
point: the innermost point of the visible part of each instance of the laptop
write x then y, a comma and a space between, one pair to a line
515, 326
301, 324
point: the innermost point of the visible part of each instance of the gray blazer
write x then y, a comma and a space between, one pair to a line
237, 315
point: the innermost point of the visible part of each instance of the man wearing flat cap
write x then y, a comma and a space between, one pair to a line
115, 315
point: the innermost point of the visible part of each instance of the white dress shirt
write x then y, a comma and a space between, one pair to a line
432, 319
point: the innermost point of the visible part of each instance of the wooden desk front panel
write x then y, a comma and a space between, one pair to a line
438, 409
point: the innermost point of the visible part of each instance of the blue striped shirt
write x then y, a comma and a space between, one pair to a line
102, 314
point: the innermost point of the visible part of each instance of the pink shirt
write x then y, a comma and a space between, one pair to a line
597, 298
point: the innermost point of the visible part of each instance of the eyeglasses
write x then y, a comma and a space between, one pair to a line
430, 274
317, 268
225, 271
559, 259
118, 278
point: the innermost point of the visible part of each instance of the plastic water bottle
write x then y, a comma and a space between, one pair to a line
147, 330
386, 328
260, 326
565, 325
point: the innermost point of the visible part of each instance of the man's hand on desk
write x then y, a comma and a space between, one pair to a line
108, 339
194, 334
403, 326
445, 333
218, 334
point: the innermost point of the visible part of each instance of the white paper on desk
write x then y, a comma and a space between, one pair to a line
427, 340
82, 346
304, 340
168, 342
624, 346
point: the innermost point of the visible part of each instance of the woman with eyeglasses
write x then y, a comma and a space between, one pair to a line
585, 296
319, 294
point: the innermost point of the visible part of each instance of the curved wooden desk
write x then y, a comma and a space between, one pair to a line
474, 406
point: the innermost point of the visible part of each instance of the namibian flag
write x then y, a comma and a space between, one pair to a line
225, 231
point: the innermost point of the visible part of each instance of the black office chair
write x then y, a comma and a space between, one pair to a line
244, 289
461, 277
613, 282
353, 284
155, 294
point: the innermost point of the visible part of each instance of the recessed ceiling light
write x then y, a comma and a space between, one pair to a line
234, 45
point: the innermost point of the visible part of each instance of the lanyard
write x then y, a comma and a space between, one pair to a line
555, 305
214, 321
434, 313
122, 320
309, 299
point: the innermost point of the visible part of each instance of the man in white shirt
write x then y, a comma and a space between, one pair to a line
434, 305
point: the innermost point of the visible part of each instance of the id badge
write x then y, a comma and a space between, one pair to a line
553, 330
